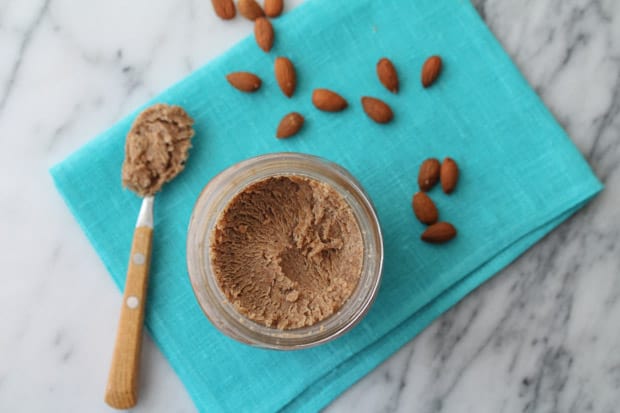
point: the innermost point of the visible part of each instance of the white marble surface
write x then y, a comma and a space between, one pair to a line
543, 336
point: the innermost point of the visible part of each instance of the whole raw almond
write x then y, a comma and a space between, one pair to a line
431, 70
273, 8
387, 75
225, 9
263, 32
439, 233
250, 9
285, 75
328, 101
290, 125
424, 208
449, 175
377, 110
429, 174
244, 81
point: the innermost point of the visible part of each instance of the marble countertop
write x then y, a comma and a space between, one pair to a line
542, 336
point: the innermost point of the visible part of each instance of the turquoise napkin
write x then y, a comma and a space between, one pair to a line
521, 177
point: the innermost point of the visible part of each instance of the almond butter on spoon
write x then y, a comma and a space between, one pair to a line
156, 149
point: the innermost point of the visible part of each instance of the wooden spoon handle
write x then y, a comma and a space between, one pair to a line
122, 389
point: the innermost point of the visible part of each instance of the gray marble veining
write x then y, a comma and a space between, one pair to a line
542, 336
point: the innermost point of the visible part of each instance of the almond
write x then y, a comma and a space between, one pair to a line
424, 208
439, 233
250, 9
449, 175
286, 76
387, 75
290, 125
225, 9
263, 32
431, 70
429, 174
328, 101
244, 81
273, 8
377, 110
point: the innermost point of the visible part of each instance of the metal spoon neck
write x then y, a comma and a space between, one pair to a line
145, 218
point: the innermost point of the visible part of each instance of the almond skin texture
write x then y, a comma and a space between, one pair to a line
377, 110
449, 175
244, 81
263, 32
431, 70
387, 75
429, 174
328, 101
225, 9
250, 9
274, 8
290, 125
285, 75
424, 208
439, 233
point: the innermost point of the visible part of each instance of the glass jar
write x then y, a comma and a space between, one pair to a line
213, 200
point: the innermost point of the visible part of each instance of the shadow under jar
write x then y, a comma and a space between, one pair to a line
215, 202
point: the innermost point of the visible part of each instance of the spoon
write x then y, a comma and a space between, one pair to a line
155, 152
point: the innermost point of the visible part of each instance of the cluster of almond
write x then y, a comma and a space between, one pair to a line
249, 9
424, 208
327, 100
286, 75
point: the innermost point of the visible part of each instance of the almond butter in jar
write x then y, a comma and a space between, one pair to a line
284, 251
